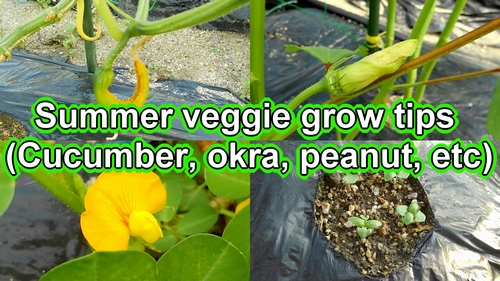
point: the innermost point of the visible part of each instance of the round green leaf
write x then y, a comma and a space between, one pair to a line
199, 219
228, 185
351, 178
192, 199
389, 176
106, 266
413, 208
174, 197
363, 232
407, 219
165, 243
403, 175
179, 180
357, 221
419, 217
203, 257
7, 189
373, 224
238, 231
401, 209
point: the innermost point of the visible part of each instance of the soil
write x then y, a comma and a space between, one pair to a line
388, 246
11, 128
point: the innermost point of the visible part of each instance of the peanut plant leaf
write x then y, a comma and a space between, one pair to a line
351, 178
401, 209
493, 118
106, 266
203, 257
363, 232
357, 221
419, 217
373, 224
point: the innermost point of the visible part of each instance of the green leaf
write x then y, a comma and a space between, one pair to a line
351, 178
357, 221
413, 208
403, 175
7, 189
180, 180
203, 257
238, 231
327, 55
174, 197
196, 153
493, 118
106, 266
389, 176
408, 218
199, 219
228, 185
192, 199
363, 232
165, 243
372, 224
401, 209
419, 217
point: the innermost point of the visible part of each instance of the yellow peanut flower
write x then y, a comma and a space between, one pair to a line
362, 73
119, 205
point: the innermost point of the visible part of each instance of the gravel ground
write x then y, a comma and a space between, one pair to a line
210, 57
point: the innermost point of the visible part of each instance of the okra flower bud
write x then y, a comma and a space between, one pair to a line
362, 73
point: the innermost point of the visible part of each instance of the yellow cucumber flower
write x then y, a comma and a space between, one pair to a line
362, 73
121, 204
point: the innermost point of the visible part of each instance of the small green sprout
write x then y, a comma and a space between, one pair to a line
391, 175
351, 178
410, 214
364, 225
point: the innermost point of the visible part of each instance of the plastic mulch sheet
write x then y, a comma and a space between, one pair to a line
26, 78
37, 233
286, 243
288, 74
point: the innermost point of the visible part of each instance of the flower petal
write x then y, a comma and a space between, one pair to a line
102, 225
144, 226
133, 191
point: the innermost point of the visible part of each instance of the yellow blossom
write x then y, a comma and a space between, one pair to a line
119, 205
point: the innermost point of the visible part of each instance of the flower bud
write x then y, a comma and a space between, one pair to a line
362, 73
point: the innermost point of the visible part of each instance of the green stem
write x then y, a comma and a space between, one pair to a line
113, 54
372, 28
257, 29
120, 12
391, 21
142, 10
227, 213
318, 87
57, 187
22, 31
108, 19
418, 32
447, 79
88, 28
443, 38
192, 17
